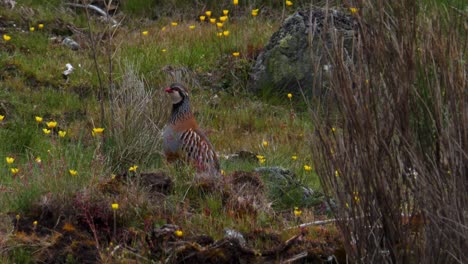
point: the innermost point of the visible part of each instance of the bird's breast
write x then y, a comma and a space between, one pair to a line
171, 141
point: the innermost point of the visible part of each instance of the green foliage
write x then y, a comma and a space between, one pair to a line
21, 255
41, 3
17, 138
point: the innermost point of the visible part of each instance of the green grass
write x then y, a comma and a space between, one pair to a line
233, 118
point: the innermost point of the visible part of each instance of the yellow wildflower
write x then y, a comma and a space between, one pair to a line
337, 173
307, 168
164, 50
133, 168
353, 10
219, 25
236, 54
225, 12
174, 24
289, 96
14, 170
255, 12
18, 216
226, 33
2, 117
62, 134
294, 157
261, 159
208, 13
212, 20
6, 37
51, 124
144, 33
32, 29
179, 233
46, 131
35, 223
97, 131
163, 29
289, 3
115, 206
223, 172
10, 160
297, 211
265, 143
38, 119
113, 176
219, 34
333, 129
356, 197
202, 18
73, 172
223, 18
192, 26
40, 26
235, 2
38, 160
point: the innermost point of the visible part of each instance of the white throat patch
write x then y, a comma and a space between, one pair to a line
176, 97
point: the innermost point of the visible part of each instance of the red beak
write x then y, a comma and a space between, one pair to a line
168, 90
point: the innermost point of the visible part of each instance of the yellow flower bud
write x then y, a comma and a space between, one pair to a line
51, 124
10, 160
179, 233
62, 134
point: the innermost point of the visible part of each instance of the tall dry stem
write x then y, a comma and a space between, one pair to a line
392, 154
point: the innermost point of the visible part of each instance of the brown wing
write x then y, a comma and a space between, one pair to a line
199, 150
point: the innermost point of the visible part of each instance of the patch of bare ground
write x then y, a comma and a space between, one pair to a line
83, 231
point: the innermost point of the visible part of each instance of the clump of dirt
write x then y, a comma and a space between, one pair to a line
165, 244
246, 194
81, 229
157, 183
54, 239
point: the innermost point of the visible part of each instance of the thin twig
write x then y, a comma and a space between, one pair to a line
101, 87
97, 9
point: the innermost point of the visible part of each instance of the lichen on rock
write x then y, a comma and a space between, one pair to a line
294, 59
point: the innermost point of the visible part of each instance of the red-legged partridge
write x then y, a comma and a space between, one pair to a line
182, 139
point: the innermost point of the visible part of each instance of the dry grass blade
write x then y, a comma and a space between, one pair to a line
399, 137
138, 117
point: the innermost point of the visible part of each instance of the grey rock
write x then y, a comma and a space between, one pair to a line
69, 42
294, 58
231, 233
285, 181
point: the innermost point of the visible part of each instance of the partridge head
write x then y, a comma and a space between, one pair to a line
182, 138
